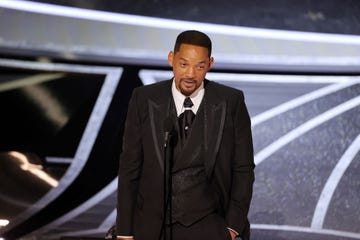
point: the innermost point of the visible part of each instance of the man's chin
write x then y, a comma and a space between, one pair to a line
187, 92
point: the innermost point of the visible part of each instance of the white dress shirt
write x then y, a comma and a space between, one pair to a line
196, 98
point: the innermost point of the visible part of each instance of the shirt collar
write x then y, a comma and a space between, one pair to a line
196, 97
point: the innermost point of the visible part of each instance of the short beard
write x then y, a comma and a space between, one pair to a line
184, 90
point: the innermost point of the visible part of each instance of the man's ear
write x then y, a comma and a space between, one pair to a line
171, 58
211, 62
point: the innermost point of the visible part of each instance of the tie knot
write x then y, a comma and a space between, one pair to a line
188, 103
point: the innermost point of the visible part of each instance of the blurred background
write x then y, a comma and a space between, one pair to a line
67, 71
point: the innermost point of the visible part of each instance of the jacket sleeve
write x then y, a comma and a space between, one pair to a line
129, 169
242, 172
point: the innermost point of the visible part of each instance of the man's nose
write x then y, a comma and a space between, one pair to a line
190, 72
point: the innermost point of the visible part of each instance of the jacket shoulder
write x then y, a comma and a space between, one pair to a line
157, 92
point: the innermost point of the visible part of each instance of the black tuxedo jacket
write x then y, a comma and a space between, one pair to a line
228, 157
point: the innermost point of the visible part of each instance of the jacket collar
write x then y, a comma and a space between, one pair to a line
162, 107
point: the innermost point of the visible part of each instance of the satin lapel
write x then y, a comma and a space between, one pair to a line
158, 113
215, 112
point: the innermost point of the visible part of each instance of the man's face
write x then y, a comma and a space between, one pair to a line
190, 65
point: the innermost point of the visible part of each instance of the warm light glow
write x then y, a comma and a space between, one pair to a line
35, 169
3, 223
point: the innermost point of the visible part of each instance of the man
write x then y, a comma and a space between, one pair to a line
212, 161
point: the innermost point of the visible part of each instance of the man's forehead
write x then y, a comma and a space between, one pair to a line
184, 59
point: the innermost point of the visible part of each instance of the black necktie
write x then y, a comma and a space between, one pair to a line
187, 117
